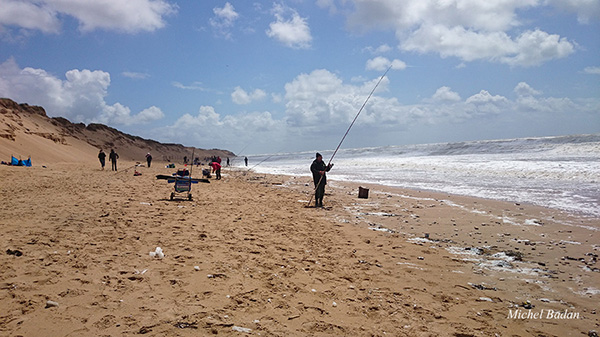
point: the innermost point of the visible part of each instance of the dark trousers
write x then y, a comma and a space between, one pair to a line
114, 165
149, 161
218, 174
319, 194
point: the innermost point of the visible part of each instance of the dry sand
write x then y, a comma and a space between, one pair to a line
246, 257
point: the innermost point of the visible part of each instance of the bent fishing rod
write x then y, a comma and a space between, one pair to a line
350, 127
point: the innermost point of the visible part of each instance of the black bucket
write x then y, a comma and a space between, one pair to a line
363, 193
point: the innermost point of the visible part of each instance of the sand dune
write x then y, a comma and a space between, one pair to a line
27, 131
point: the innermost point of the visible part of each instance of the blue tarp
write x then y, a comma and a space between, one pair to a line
16, 162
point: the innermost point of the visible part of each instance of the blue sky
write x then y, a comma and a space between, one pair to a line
286, 76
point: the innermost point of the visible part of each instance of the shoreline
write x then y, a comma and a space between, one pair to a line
246, 257
581, 214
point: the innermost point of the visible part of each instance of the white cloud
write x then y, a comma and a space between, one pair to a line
523, 89
592, 70
209, 127
321, 102
276, 98
240, 96
586, 10
327, 4
135, 75
79, 98
321, 99
484, 97
224, 19
445, 94
28, 15
293, 32
130, 16
382, 49
536, 47
194, 86
469, 29
529, 49
381, 64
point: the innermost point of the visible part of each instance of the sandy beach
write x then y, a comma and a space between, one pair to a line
246, 257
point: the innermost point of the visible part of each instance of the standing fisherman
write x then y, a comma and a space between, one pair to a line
319, 169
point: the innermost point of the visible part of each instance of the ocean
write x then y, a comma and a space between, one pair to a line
560, 172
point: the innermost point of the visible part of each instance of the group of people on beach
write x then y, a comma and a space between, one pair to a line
113, 156
318, 169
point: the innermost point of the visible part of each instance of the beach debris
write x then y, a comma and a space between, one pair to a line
186, 325
592, 333
15, 252
158, 253
518, 256
481, 287
240, 329
527, 305
485, 299
216, 275
51, 304
197, 268
145, 329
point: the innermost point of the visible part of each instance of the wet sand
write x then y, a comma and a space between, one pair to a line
246, 257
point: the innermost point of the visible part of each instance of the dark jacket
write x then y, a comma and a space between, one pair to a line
113, 156
315, 168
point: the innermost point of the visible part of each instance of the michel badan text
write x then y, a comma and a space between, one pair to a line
543, 314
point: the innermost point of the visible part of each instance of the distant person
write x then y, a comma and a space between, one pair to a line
219, 160
246, 160
185, 159
113, 156
102, 158
227, 161
319, 169
149, 159
216, 169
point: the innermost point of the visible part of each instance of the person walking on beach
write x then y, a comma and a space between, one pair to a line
216, 169
102, 158
319, 169
113, 156
246, 160
149, 158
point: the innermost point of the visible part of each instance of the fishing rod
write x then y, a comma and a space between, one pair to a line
350, 127
262, 161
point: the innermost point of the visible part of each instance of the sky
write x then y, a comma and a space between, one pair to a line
286, 76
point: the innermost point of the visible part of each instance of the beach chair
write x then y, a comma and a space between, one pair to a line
183, 182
